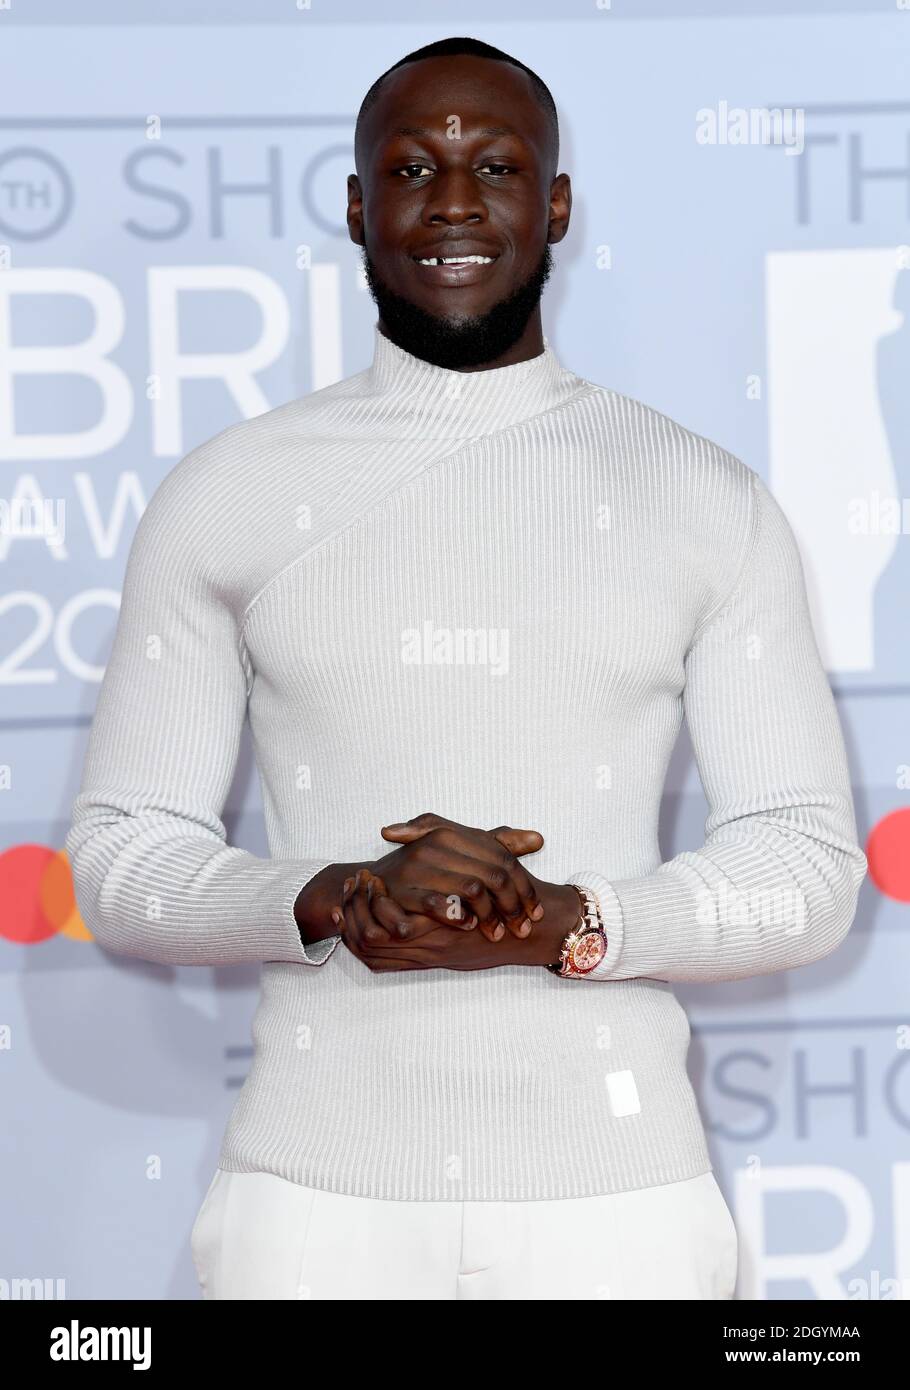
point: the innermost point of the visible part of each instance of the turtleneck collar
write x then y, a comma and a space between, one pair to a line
415, 397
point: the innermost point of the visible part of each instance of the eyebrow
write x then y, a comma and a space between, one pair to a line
417, 130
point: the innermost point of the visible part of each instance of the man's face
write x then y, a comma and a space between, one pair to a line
421, 195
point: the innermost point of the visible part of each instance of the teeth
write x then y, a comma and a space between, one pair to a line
457, 260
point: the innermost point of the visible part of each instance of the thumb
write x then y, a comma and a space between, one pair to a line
403, 834
518, 841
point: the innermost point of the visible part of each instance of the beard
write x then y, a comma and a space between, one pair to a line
458, 342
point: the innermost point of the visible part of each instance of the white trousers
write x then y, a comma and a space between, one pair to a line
259, 1236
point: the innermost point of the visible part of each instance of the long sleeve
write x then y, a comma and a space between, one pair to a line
153, 875
775, 884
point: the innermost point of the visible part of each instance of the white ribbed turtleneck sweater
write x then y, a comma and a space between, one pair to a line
616, 571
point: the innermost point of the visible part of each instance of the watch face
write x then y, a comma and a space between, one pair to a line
588, 951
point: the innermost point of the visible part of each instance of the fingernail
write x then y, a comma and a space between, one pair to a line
538, 912
336, 916
524, 928
348, 884
499, 933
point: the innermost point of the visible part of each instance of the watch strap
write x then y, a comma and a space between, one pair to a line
587, 940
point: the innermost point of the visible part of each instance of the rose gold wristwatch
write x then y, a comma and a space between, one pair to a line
586, 944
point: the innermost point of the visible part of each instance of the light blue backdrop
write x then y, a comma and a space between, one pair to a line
754, 294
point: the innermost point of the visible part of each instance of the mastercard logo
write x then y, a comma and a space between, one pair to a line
888, 852
36, 890
36, 886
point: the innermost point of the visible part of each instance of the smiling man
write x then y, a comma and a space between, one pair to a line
461, 291
466, 598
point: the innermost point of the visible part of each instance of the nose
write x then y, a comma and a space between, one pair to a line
454, 198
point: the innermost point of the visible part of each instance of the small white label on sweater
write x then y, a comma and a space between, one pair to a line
623, 1093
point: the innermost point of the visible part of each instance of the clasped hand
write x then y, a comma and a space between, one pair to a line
453, 897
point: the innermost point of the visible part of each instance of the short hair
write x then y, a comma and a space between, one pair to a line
476, 48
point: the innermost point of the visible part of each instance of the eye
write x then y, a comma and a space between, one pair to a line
497, 170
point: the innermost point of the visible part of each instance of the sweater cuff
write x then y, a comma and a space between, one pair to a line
611, 912
313, 952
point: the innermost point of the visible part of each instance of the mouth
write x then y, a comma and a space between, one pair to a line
454, 270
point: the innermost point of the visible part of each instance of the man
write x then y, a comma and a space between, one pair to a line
467, 580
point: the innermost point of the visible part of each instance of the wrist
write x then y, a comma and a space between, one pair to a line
313, 904
562, 911
585, 947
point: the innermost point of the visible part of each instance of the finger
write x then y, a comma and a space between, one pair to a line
512, 911
431, 953
351, 933
525, 904
507, 880
351, 884
410, 903
357, 919
435, 909
443, 909
461, 877
519, 841
339, 909
370, 931
486, 884
349, 887
403, 832
394, 958
401, 924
